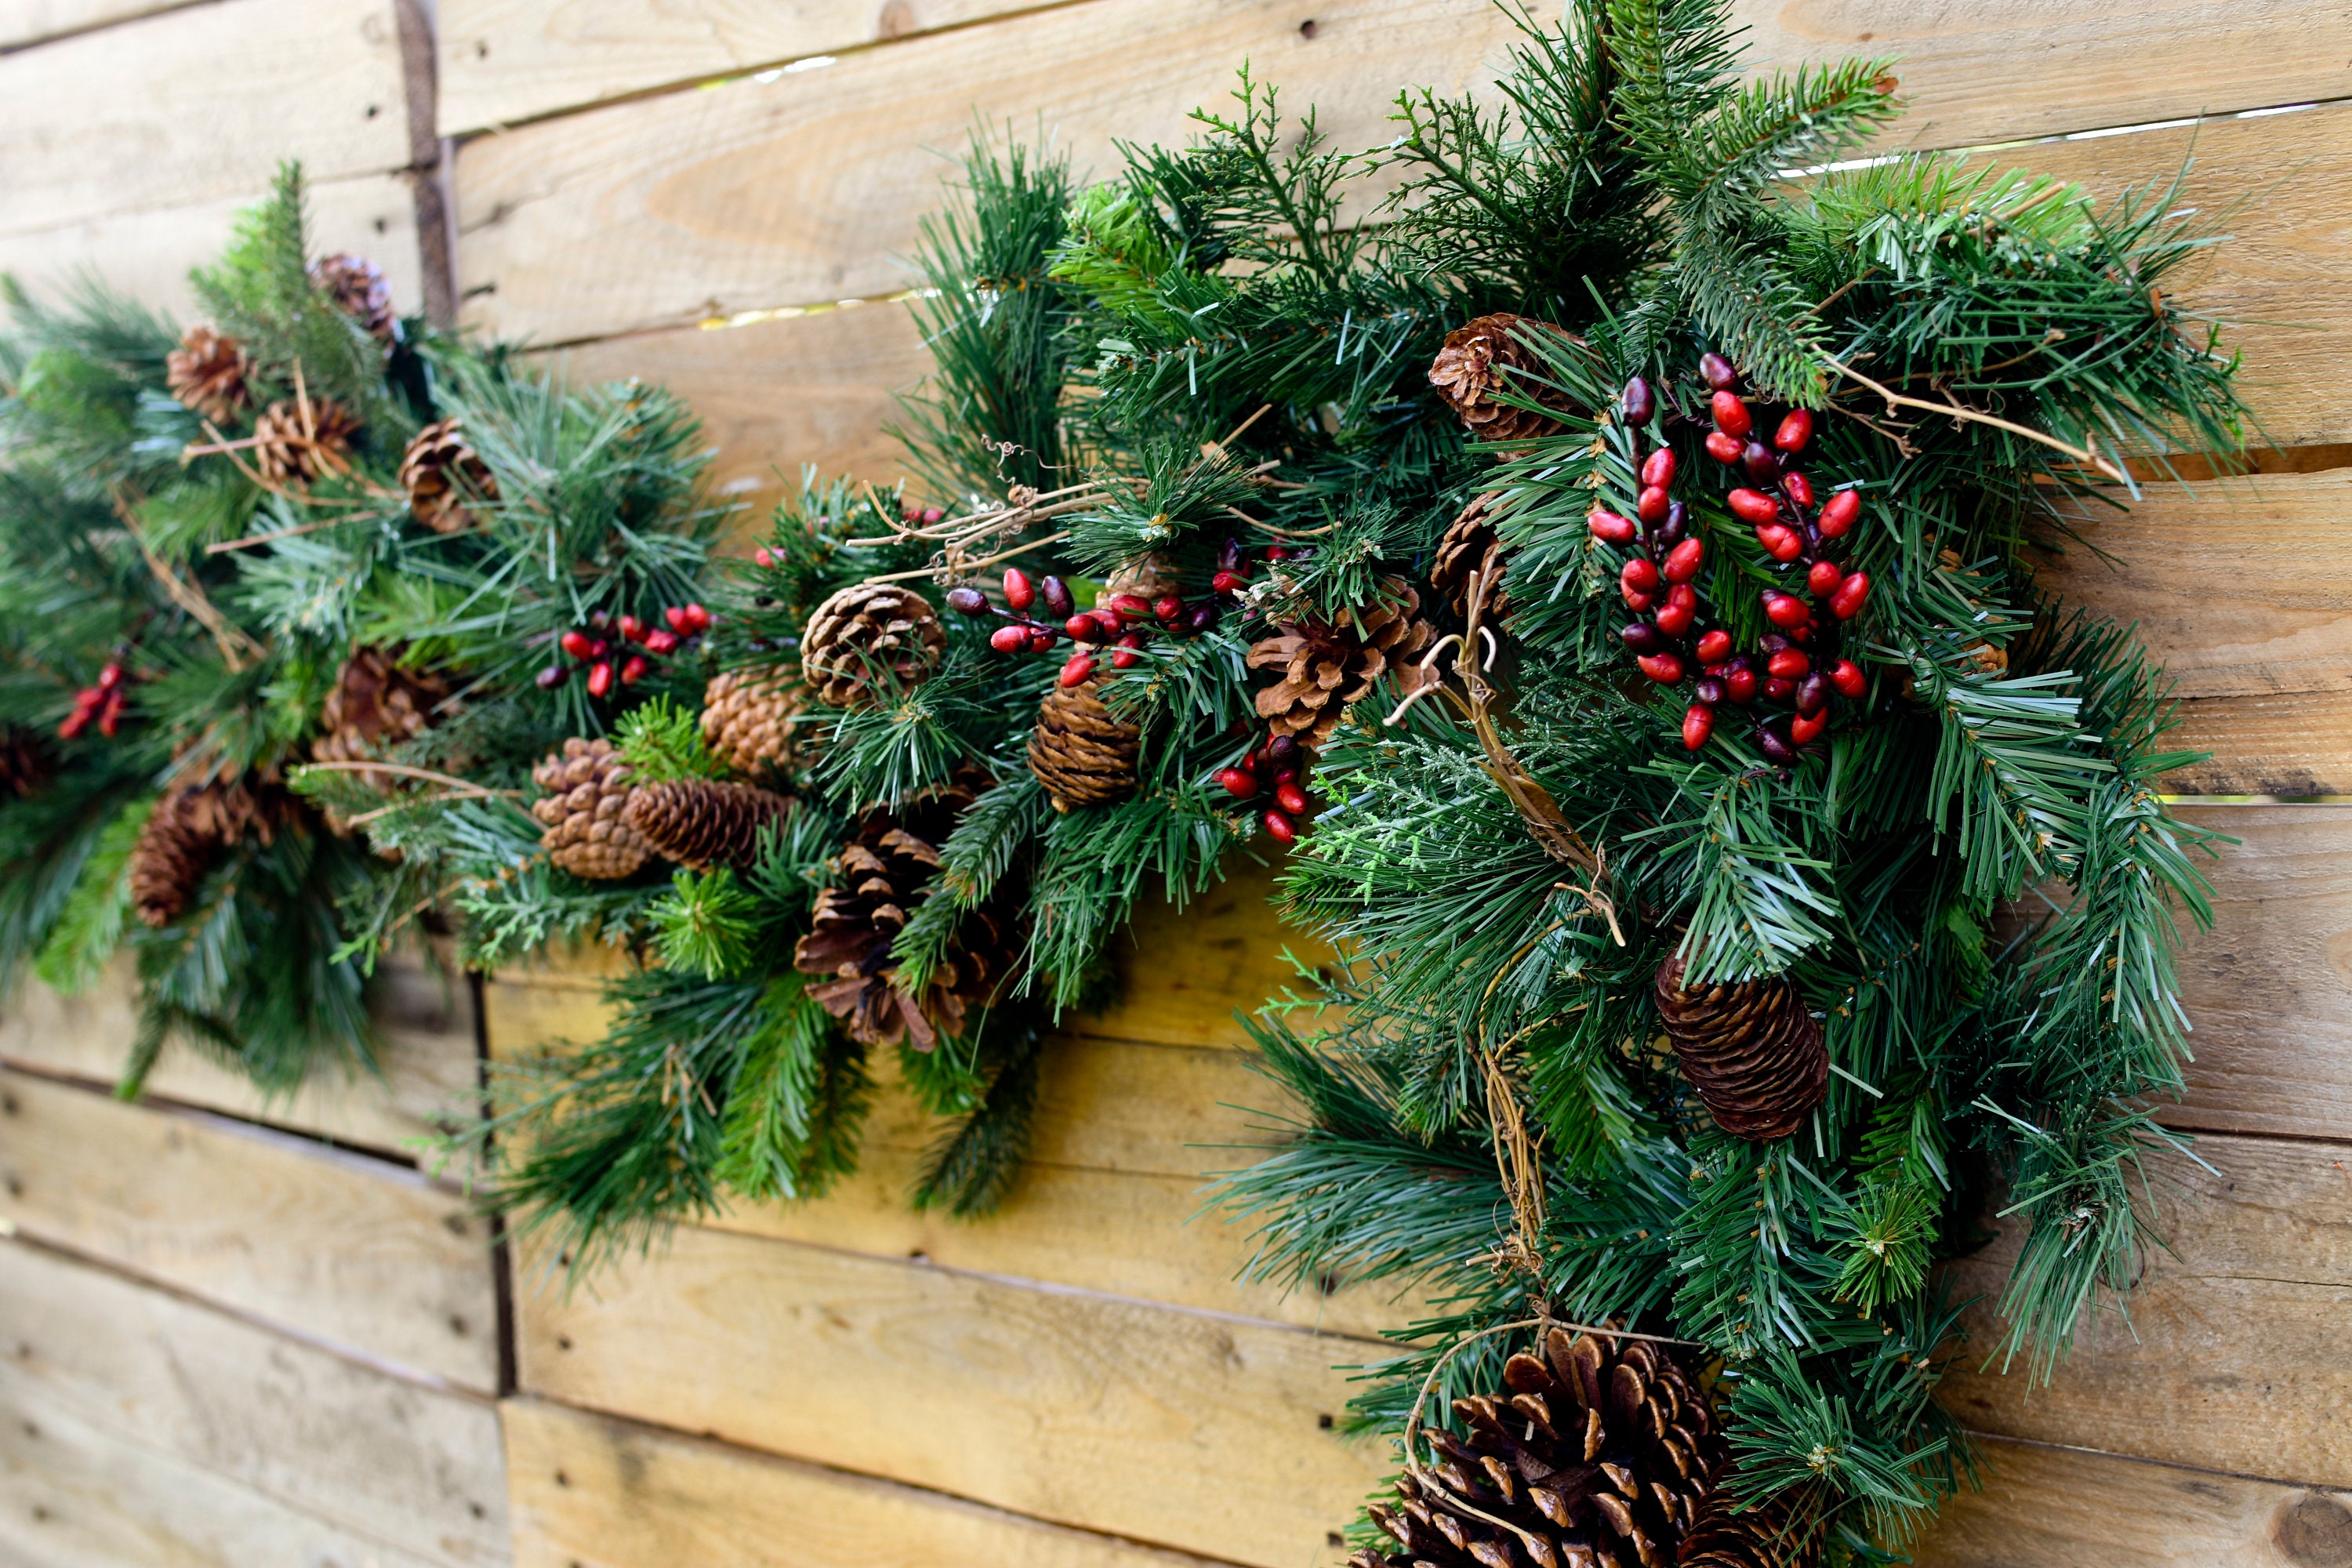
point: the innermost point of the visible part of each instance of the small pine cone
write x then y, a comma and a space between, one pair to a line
585, 812
1601, 1452
1153, 577
1749, 1048
1482, 358
290, 453
375, 705
187, 831
867, 636
207, 373
1756, 1537
356, 286
749, 719
444, 476
1470, 544
703, 823
1082, 753
1327, 665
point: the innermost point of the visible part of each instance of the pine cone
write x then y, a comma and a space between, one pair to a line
867, 634
1749, 1048
375, 705
585, 812
1603, 1452
1152, 577
1481, 358
748, 717
442, 475
1082, 753
289, 454
702, 823
1464, 548
1749, 1538
207, 373
878, 881
356, 286
187, 829
1326, 666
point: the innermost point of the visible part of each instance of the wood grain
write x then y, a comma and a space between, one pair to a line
1189, 1430
2058, 1508
411, 1465
340, 1247
2233, 1357
197, 106
589, 1489
24, 22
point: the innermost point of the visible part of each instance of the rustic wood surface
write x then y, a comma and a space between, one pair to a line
24, 22
348, 1249
403, 1464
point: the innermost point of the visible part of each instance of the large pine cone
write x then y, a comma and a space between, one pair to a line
287, 452
703, 823
357, 287
879, 879
1327, 665
187, 829
585, 812
1749, 1047
207, 373
866, 637
1603, 1452
1080, 750
1470, 544
748, 717
1482, 358
375, 705
443, 476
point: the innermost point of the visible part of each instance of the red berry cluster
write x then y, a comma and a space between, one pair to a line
1795, 662
102, 702
1122, 623
603, 647
1282, 759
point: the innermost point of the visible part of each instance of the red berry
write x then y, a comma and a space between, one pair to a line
1124, 659
1825, 578
1081, 628
1167, 607
1608, 526
1698, 723
1075, 671
1777, 687
1664, 668
1784, 610
576, 643
1228, 582
1753, 506
1684, 561
1780, 541
1277, 553
764, 556
1240, 783
1635, 601
1009, 639
1813, 694
1292, 798
1019, 592
1040, 640
1132, 606
676, 616
1847, 602
1717, 371
1847, 676
1652, 507
1797, 488
600, 679
1715, 647
658, 641
1739, 681
1283, 829
933, 514
1787, 664
1796, 429
634, 671
110, 677
698, 617
1802, 729
109, 712
1723, 448
1109, 622
1731, 416
1681, 608
1839, 512
631, 629
1658, 469
1640, 574
599, 648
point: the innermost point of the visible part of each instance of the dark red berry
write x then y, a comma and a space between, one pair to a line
1640, 574
1166, 608
1240, 783
1708, 688
1637, 402
1642, 637
1204, 616
967, 601
1787, 664
1848, 678
1677, 523
1291, 798
577, 643
1081, 628
553, 677
1231, 555
1284, 751
1775, 749
1057, 594
1717, 371
1652, 507
1784, 610
634, 671
1761, 463
1739, 684
1778, 687
1283, 829
1813, 694
1228, 582
1681, 608
1825, 578
1715, 647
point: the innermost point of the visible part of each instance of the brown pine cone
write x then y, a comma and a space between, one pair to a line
878, 879
187, 831
1602, 1453
749, 719
703, 823
375, 705
1749, 1048
1152, 577
356, 286
584, 812
290, 453
1470, 544
1756, 1537
1481, 358
207, 373
443, 476
867, 637
1326, 666
1082, 753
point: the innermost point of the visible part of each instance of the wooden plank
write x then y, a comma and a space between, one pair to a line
24, 22
197, 105
340, 1247
2233, 1357
508, 60
1047, 1403
393, 1461
589, 1489
147, 255
2059, 1508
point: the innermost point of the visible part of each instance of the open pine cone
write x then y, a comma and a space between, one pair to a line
290, 452
703, 823
207, 371
375, 705
1081, 751
1327, 665
1481, 358
187, 831
1602, 1453
749, 719
585, 813
878, 880
870, 636
442, 474
1745, 1538
356, 285
1152, 577
1464, 548
1749, 1048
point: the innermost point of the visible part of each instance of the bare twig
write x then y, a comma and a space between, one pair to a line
1976, 417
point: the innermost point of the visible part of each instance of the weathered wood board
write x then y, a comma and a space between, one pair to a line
24, 22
